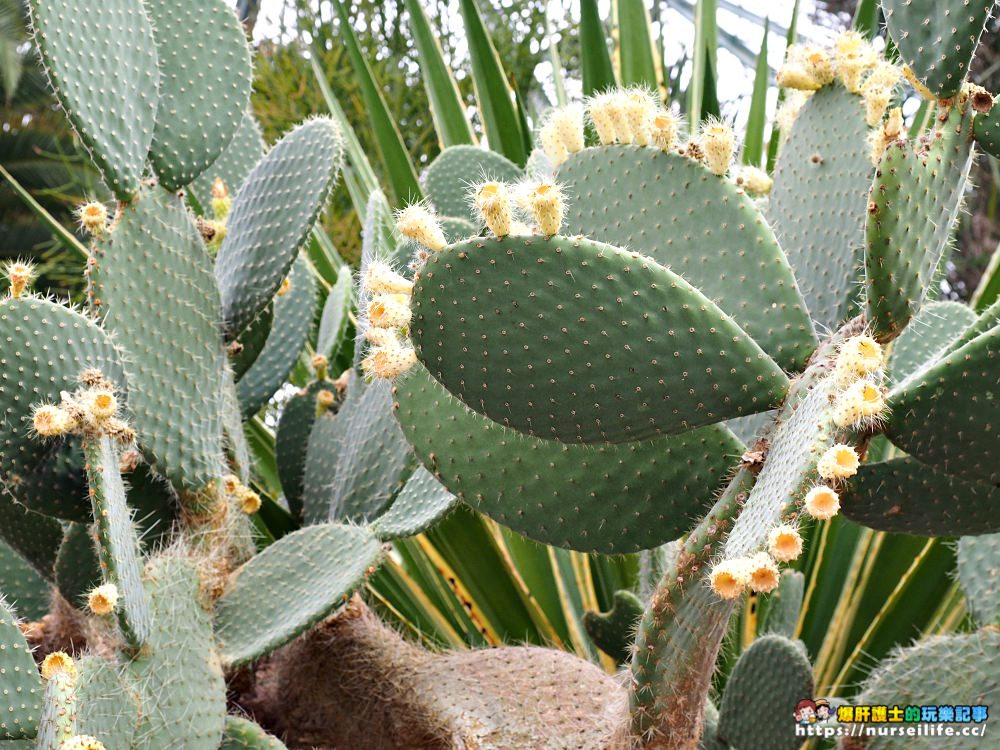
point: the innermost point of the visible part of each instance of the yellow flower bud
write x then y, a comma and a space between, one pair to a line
839, 462
822, 502
417, 223
784, 543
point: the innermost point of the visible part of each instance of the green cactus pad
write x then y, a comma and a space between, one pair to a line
906, 497
948, 415
33, 536
108, 703
818, 201
914, 201
988, 318
319, 467
659, 205
372, 459
205, 77
421, 503
154, 504
456, 229
604, 497
57, 721
81, 43
779, 612
78, 569
929, 334
235, 163
166, 318
272, 217
987, 130
614, 631
790, 469
46, 348
333, 324
22, 586
937, 40
291, 586
749, 428
293, 320
451, 178
243, 734
20, 686
292, 441
769, 678
243, 352
940, 670
190, 712
579, 341
709, 731
979, 575
56, 487
117, 543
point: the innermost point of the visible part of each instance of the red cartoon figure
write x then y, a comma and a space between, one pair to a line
805, 712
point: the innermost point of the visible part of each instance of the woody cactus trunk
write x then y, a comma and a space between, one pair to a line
593, 351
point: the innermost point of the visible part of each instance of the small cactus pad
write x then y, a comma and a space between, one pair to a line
421, 503
930, 333
291, 586
108, 703
817, 204
21, 585
33, 536
450, 177
579, 341
372, 458
189, 713
77, 568
336, 316
779, 611
243, 734
293, 319
166, 318
20, 685
56, 487
292, 440
940, 670
790, 469
243, 352
117, 544
57, 721
988, 318
914, 201
948, 415
709, 730
272, 217
906, 497
235, 163
657, 204
82, 43
769, 678
987, 130
979, 575
614, 498
204, 86
614, 631
319, 467
45, 349
937, 40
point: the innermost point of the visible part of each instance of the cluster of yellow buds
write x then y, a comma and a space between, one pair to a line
93, 218
90, 410
759, 572
387, 314
19, 274
562, 133
418, 223
248, 501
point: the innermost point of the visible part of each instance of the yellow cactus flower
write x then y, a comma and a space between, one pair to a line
58, 662
822, 502
764, 575
839, 462
730, 577
103, 599
784, 543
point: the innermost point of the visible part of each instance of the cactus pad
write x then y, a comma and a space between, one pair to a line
987, 130
614, 631
108, 703
769, 678
939, 670
657, 204
603, 497
250, 342
579, 341
948, 415
450, 177
46, 348
204, 86
189, 713
83, 42
272, 217
235, 163
979, 575
293, 320
292, 440
779, 612
243, 734
906, 497
33, 536
291, 586
333, 323
57, 721
421, 503
937, 40
929, 334
77, 568
20, 685
914, 201
166, 318
818, 201
22, 586
56, 487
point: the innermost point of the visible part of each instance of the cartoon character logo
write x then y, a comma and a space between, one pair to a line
805, 712
823, 709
